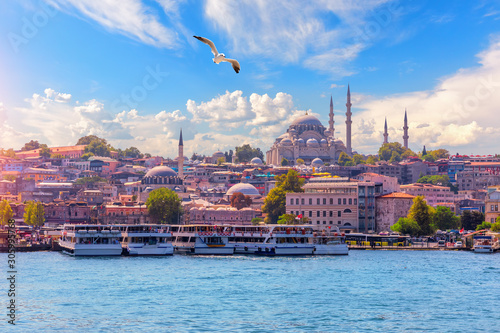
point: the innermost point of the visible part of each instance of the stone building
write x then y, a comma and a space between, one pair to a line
391, 207
492, 204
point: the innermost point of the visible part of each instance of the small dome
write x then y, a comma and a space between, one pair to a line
317, 162
256, 160
218, 154
300, 140
283, 136
286, 142
245, 188
148, 189
306, 120
312, 142
323, 141
338, 141
161, 171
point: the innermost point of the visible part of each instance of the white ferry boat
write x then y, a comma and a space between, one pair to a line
91, 240
327, 242
201, 239
485, 244
281, 240
146, 239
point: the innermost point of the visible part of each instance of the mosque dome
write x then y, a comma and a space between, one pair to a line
317, 162
283, 136
161, 171
286, 142
245, 188
256, 160
218, 154
300, 140
312, 142
306, 120
323, 142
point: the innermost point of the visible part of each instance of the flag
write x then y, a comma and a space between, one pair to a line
299, 216
462, 230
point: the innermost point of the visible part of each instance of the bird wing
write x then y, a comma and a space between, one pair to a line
209, 43
235, 63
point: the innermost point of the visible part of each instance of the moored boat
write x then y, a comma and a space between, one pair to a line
146, 239
201, 239
90, 240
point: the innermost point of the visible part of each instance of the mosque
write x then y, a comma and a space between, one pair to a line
309, 140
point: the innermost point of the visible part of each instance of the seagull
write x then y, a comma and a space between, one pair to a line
218, 57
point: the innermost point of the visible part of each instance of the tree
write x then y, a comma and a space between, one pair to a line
229, 156
59, 156
358, 159
85, 140
371, 160
421, 213
424, 152
86, 156
164, 206
275, 202
5, 212
239, 200
245, 153
132, 152
257, 221
406, 226
444, 219
44, 151
87, 180
439, 154
10, 178
33, 144
385, 152
98, 148
287, 219
34, 214
395, 157
343, 159
428, 158
220, 161
441, 180
284, 162
8, 153
484, 225
300, 161
495, 226
470, 220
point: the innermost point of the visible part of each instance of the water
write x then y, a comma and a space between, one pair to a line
384, 291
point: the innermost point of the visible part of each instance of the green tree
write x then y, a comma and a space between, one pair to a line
441, 180
300, 161
245, 153
395, 157
92, 180
59, 156
257, 221
495, 226
484, 225
428, 158
343, 159
439, 154
406, 226
85, 140
86, 156
287, 219
385, 152
132, 152
470, 220
98, 148
34, 214
371, 160
239, 200
8, 153
44, 151
421, 213
284, 162
5, 212
10, 178
164, 206
358, 159
444, 219
33, 144
221, 161
275, 202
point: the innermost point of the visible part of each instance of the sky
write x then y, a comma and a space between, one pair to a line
131, 72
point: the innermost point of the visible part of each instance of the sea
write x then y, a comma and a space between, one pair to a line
365, 291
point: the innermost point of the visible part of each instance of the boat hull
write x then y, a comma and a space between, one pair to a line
483, 249
91, 249
340, 249
276, 250
149, 250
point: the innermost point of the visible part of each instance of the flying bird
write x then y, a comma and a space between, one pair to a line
218, 57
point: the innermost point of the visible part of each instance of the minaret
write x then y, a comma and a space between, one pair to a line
386, 135
405, 132
180, 160
348, 122
331, 122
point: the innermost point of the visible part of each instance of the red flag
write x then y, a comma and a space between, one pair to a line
462, 230
299, 216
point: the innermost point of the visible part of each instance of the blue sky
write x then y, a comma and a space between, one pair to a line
131, 72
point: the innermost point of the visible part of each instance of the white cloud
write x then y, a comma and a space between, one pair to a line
323, 35
458, 114
131, 18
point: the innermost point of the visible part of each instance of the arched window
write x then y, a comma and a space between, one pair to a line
347, 210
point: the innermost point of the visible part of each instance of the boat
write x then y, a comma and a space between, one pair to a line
327, 242
146, 239
201, 239
90, 240
271, 240
485, 244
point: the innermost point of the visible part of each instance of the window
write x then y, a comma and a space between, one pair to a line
310, 201
355, 201
302, 201
324, 222
344, 201
324, 201
347, 210
331, 201
317, 201
317, 222
331, 213
339, 213
491, 208
324, 213
291, 201
310, 214
340, 201
339, 222
350, 201
317, 213
331, 222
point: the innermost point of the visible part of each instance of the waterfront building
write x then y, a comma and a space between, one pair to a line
492, 203
389, 184
390, 208
434, 194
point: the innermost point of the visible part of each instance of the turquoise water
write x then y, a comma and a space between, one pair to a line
366, 291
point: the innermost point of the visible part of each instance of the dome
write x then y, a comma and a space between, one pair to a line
312, 142
286, 142
256, 160
283, 136
245, 188
317, 161
300, 140
161, 171
306, 120
218, 154
323, 141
